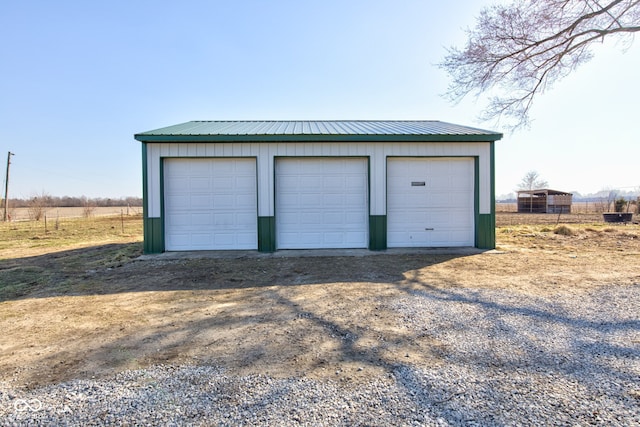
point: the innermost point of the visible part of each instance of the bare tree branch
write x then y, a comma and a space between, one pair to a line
520, 50
532, 181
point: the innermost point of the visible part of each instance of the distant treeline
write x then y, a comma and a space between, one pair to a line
72, 202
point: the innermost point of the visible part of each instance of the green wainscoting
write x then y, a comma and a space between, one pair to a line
377, 232
266, 234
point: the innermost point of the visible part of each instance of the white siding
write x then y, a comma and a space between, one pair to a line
265, 153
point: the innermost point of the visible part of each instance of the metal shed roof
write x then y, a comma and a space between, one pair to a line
318, 130
544, 192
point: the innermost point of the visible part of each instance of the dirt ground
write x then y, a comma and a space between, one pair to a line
313, 316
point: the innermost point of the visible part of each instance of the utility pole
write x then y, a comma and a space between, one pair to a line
6, 186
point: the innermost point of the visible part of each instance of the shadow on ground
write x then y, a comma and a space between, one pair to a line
346, 318
118, 268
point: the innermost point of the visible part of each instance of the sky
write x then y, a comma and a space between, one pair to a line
80, 78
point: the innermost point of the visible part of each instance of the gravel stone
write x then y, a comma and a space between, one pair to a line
508, 359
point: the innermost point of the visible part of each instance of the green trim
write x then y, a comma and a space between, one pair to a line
162, 215
152, 228
486, 231
492, 176
153, 236
266, 233
486, 223
476, 200
377, 232
145, 182
317, 138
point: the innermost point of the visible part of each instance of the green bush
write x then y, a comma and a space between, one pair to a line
620, 204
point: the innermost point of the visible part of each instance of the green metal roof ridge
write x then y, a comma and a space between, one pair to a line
316, 131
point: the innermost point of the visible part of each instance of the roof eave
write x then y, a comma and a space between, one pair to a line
490, 137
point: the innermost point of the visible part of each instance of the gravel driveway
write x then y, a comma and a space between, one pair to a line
508, 359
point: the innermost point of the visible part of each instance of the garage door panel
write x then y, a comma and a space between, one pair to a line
225, 239
289, 217
331, 200
245, 220
248, 182
309, 183
412, 218
199, 184
222, 219
178, 220
334, 220
353, 218
224, 201
200, 239
441, 238
334, 183
333, 238
223, 185
200, 219
309, 218
199, 201
243, 201
226, 168
290, 182
351, 203
353, 238
438, 213
210, 204
286, 239
177, 184
177, 199
355, 181
198, 168
287, 202
439, 199
321, 203
246, 239
307, 200
178, 239
311, 240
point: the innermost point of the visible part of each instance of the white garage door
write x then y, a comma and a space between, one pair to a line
430, 202
210, 204
321, 203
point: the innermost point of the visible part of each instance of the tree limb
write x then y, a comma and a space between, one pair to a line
523, 48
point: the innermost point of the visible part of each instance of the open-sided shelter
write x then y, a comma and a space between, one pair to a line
271, 185
544, 201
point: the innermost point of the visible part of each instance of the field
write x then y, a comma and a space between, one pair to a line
53, 214
78, 301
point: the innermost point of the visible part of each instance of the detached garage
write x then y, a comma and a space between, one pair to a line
272, 185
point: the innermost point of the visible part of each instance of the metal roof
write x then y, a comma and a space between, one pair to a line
318, 130
543, 192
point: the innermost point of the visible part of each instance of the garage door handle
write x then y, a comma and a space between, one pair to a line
429, 229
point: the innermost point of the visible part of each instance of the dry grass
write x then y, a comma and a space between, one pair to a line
564, 230
76, 302
23, 214
28, 238
576, 207
87, 244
